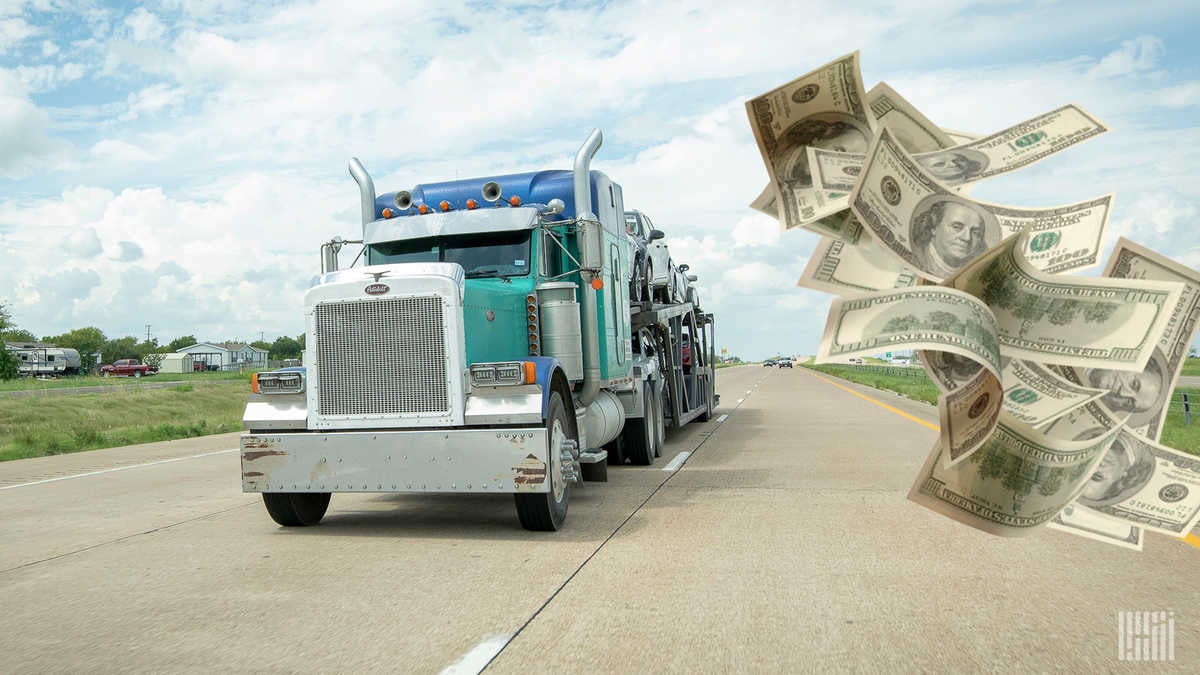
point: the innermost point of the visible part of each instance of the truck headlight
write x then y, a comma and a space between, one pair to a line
288, 382
503, 374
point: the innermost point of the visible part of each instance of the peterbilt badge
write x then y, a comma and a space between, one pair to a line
377, 289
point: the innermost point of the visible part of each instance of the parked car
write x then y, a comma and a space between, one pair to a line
642, 235
785, 363
127, 368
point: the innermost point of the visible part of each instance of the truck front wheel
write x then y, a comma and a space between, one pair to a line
546, 511
296, 509
639, 434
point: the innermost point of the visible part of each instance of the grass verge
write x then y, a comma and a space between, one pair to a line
1191, 366
917, 385
910, 382
28, 383
36, 427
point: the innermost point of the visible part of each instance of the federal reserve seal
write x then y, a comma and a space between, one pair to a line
890, 189
806, 93
1173, 492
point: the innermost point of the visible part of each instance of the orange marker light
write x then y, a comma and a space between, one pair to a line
422, 209
444, 206
387, 213
254, 383
514, 200
530, 372
471, 203
597, 283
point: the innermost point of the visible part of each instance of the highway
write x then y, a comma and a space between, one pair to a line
783, 542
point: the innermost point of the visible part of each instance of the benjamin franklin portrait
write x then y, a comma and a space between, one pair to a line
1120, 475
948, 232
1141, 394
955, 166
829, 131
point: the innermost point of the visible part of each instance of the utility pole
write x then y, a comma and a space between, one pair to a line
147, 332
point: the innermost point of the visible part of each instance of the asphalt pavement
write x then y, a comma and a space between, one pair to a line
782, 542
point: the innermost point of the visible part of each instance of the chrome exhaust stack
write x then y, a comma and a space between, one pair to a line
591, 256
366, 190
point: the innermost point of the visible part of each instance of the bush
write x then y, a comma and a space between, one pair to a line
8, 365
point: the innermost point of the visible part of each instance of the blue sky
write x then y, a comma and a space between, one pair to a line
178, 163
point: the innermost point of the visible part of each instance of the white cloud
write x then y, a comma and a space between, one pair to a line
1133, 56
24, 138
756, 229
13, 32
119, 152
144, 25
83, 243
49, 48
47, 77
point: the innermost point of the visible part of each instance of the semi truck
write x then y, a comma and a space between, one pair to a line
492, 342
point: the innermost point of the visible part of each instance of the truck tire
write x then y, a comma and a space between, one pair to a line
638, 434
660, 423
296, 509
708, 404
546, 511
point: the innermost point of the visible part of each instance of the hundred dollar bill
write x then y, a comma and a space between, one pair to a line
950, 371
843, 268
925, 317
1146, 484
824, 108
1013, 148
1081, 322
1085, 522
969, 415
1017, 481
960, 137
841, 225
1146, 395
914, 131
936, 230
1036, 395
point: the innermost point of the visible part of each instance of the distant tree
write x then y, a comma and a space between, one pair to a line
121, 348
155, 359
261, 344
87, 341
147, 347
18, 335
300, 339
181, 342
286, 348
1194, 353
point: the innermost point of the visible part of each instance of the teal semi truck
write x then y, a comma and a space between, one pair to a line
496, 340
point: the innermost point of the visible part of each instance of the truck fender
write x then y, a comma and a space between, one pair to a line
551, 377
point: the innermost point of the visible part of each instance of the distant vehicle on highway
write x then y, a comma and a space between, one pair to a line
855, 361
785, 363
769, 362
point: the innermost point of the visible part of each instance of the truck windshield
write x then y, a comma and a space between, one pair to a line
492, 254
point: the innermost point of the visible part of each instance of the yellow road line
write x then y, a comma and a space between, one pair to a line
881, 404
1191, 538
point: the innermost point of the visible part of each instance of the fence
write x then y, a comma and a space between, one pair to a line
1188, 403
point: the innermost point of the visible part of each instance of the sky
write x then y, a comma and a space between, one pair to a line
179, 163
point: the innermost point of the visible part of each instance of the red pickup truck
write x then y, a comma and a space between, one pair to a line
127, 368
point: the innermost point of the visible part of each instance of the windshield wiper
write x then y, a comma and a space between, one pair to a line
486, 273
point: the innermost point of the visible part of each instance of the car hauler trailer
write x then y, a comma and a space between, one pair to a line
488, 345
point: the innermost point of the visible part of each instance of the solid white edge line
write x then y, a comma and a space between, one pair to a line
722, 418
473, 661
741, 399
119, 468
677, 461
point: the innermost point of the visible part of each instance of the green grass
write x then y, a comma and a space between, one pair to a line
1191, 366
52, 425
1176, 432
28, 383
914, 383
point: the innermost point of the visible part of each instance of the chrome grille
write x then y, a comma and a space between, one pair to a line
381, 357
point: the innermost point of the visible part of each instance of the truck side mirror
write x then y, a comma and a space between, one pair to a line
655, 235
684, 267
